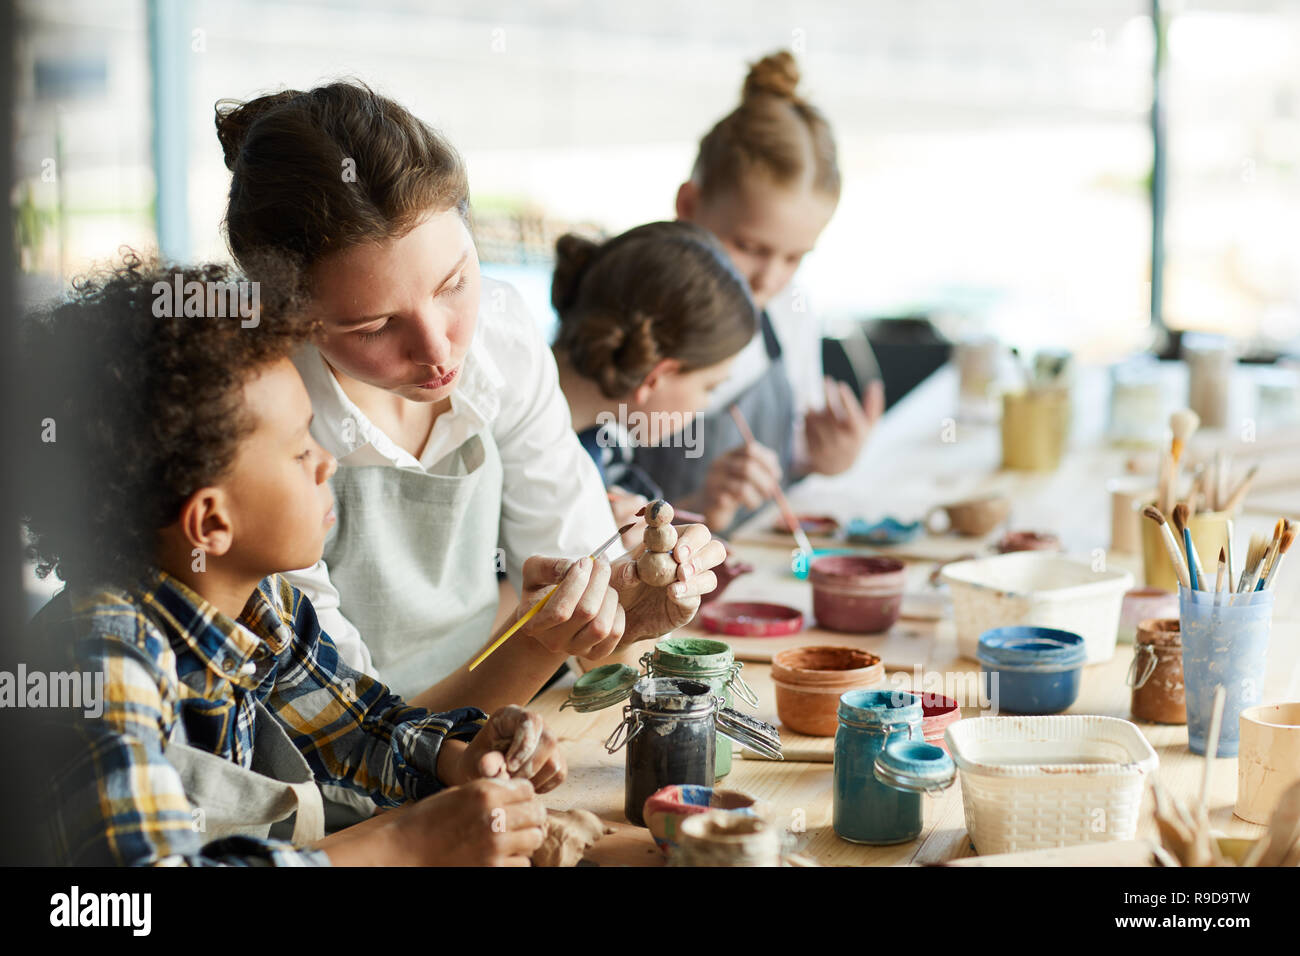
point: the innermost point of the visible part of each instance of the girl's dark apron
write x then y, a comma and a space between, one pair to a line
768, 406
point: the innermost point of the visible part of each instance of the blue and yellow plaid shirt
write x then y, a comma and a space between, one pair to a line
178, 670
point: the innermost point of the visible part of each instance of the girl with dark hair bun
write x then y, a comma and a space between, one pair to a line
649, 324
766, 182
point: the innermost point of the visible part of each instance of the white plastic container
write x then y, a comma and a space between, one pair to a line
1034, 588
1034, 782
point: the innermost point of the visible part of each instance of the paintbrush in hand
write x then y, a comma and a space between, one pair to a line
787, 513
1167, 536
529, 614
1195, 569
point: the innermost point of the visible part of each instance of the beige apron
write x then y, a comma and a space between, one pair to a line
234, 801
414, 560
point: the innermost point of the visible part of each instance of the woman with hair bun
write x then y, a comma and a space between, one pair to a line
766, 182
649, 324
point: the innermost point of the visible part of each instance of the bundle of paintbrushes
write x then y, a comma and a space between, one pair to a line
1263, 557
1211, 489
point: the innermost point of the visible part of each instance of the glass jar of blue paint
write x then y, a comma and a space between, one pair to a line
1032, 670
883, 766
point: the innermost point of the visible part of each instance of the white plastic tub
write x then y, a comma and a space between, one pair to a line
1034, 782
1038, 589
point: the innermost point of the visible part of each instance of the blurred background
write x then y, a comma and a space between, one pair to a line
999, 158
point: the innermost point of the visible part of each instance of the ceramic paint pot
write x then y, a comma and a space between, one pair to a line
752, 619
810, 680
937, 713
1140, 605
882, 766
710, 662
817, 526
1028, 541
857, 595
1032, 670
972, 517
1209, 534
666, 808
1268, 762
1156, 674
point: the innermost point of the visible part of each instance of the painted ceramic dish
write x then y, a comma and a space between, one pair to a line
667, 807
886, 531
751, 619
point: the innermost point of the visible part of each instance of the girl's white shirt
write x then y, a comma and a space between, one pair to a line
552, 499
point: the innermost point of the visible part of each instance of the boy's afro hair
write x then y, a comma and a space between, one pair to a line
125, 413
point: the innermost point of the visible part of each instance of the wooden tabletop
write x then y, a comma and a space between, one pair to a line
911, 464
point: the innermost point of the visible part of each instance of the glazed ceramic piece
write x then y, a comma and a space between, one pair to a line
972, 517
887, 530
1156, 674
810, 680
821, 526
1028, 541
857, 595
666, 808
752, 619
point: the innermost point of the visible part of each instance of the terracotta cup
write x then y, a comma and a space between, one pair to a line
972, 516
810, 680
1268, 759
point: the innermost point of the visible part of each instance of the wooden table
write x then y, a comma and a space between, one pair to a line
909, 466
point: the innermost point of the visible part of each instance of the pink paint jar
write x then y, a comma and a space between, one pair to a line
937, 713
857, 594
1141, 604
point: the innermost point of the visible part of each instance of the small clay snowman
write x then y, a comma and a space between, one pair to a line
657, 567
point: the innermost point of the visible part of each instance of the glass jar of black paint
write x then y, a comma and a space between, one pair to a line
670, 727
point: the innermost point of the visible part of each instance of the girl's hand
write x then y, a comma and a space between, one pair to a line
746, 476
836, 434
583, 617
654, 611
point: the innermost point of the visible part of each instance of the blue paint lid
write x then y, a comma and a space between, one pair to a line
915, 767
1025, 648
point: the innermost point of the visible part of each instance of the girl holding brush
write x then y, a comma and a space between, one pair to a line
433, 389
766, 183
650, 323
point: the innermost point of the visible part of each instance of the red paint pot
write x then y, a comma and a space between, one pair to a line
857, 594
937, 713
810, 680
751, 619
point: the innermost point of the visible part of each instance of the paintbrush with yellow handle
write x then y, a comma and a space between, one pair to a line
532, 611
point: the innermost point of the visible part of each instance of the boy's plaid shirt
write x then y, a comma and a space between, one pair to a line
178, 670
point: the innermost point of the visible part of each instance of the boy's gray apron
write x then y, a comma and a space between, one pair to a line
414, 559
246, 802
768, 406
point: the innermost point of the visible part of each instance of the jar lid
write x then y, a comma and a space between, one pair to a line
1026, 648
915, 767
602, 687
750, 732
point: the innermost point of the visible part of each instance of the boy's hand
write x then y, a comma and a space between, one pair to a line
515, 743
836, 434
484, 823
583, 617
654, 611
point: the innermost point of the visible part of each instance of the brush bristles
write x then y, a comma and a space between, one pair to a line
1182, 423
1287, 537
1181, 512
1255, 553
1154, 513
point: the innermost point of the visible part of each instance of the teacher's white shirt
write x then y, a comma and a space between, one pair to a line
552, 499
